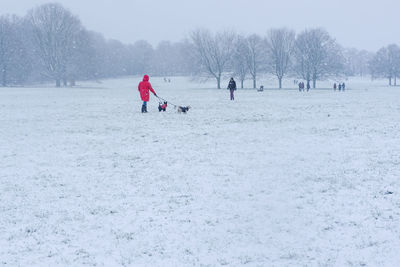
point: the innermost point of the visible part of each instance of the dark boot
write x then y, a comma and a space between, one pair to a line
143, 108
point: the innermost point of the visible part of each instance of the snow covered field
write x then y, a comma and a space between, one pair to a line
278, 178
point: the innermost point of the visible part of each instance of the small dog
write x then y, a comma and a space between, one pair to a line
162, 107
183, 109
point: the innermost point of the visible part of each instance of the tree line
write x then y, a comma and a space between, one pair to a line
311, 55
50, 44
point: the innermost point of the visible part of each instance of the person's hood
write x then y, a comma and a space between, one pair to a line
146, 78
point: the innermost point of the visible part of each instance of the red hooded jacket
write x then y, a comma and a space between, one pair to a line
144, 87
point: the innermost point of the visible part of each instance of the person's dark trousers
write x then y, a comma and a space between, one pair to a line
144, 107
232, 95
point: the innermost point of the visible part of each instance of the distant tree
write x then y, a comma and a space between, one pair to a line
14, 63
386, 63
356, 62
140, 54
281, 47
83, 64
185, 61
395, 53
240, 59
317, 55
118, 60
7, 51
172, 59
213, 51
362, 62
54, 33
255, 56
165, 60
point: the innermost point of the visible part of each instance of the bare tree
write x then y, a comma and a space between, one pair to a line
55, 31
254, 56
317, 55
356, 61
6, 47
83, 63
213, 51
163, 59
281, 47
395, 54
14, 65
141, 54
386, 63
171, 59
240, 59
185, 60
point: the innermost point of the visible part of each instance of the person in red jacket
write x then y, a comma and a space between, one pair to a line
144, 88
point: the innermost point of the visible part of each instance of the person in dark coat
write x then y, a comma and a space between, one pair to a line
308, 86
144, 87
334, 87
232, 88
340, 87
343, 86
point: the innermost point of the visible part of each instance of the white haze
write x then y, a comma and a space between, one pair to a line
363, 24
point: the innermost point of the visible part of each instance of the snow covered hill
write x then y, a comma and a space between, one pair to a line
278, 178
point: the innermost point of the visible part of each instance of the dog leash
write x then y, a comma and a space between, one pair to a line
160, 98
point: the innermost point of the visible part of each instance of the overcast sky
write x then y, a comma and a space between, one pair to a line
367, 24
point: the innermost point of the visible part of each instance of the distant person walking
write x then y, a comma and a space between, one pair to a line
340, 87
144, 88
232, 88
301, 86
334, 87
308, 86
343, 86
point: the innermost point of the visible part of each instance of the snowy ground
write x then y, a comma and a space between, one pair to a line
278, 178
